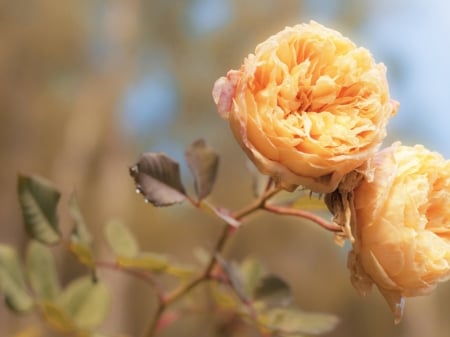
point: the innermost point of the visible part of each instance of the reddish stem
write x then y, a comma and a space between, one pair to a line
282, 210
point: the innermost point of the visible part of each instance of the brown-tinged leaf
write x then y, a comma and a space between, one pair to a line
220, 213
41, 271
121, 239
252, 272
158, 179
38, 199
86, 301
235, 277
203, 161
294, 322
273, 291
12, 281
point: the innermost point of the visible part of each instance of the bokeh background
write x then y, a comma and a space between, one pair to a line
87, 85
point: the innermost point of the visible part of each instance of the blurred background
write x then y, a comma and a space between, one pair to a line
85, 86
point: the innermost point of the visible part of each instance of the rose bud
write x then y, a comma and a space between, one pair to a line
307, 107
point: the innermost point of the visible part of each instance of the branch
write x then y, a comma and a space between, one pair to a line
205, 275
282, 210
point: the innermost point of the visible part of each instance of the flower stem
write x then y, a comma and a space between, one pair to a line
282, 210
165, 302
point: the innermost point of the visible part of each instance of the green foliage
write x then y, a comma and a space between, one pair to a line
246, 289
41, 272
86, 301
81, 307
294, 322
39, 199
266, 300
81, 239
12, 281
121, 240
129, 255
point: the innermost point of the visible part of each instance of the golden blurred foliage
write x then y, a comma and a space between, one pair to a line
66, 68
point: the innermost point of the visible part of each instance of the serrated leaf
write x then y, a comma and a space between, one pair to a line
121, 239
42, 273
86, 301
157, 177
12, 282
203, 162
291, 321
220, 213
38, 199
145, 261
80, 231
273, 291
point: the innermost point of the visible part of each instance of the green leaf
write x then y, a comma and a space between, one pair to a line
180, 271
252, 272
292, 322
158, 179
83, 253
220, 213
57, 317
145, 261
273, 291
80, 239
121, 239
86, 301
41, 272
203, 162
224, 297
80, 232
12, 282
39, 199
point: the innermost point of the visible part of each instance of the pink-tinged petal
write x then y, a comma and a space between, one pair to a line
308, 101
223, 92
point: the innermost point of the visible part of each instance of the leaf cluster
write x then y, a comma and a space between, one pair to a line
32, 284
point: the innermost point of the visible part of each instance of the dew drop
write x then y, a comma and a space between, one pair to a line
138, 191
146, 201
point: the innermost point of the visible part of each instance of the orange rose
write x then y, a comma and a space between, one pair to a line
308, 107
401, 225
